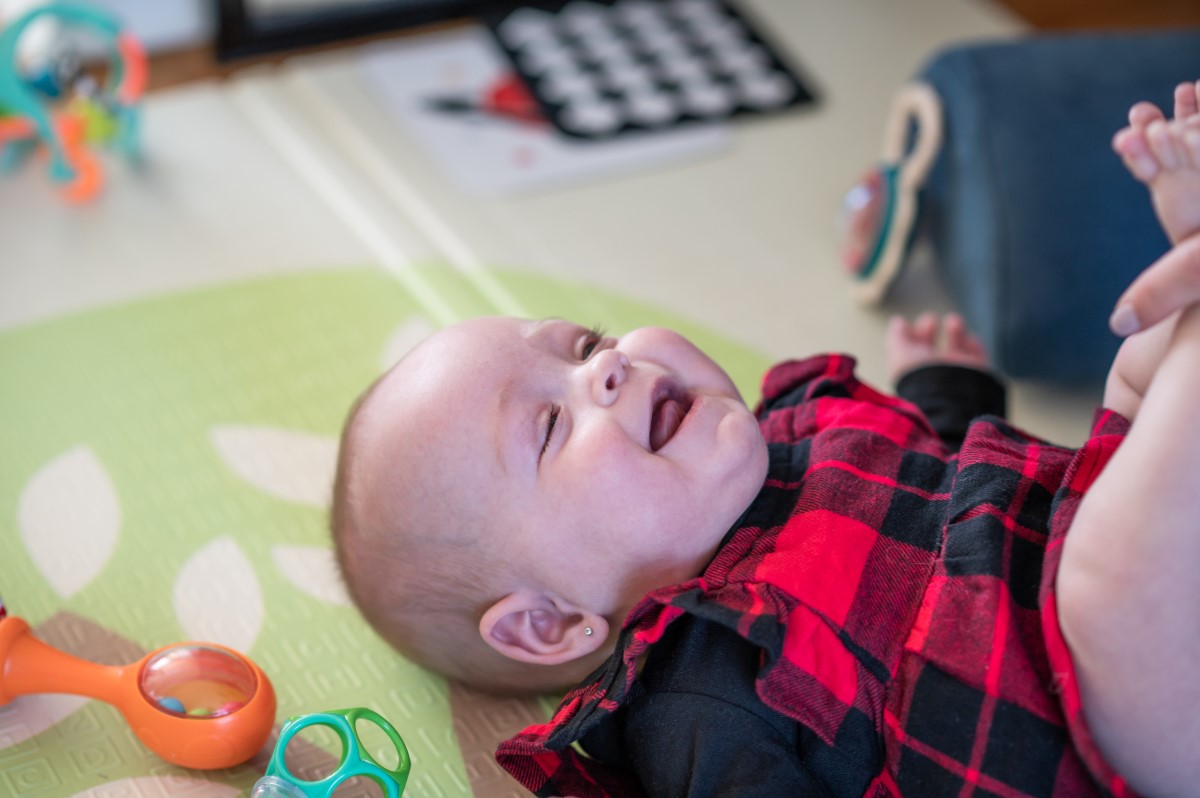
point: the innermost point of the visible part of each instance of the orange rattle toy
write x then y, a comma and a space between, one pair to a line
198, 705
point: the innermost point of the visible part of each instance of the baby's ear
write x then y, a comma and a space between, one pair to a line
532, 627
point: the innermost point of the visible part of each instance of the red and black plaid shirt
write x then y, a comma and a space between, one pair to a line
885, 579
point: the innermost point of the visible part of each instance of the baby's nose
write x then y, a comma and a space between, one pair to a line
609, 369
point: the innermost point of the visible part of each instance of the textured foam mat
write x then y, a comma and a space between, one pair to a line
165, 477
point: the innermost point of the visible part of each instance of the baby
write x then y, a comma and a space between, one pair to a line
818, 597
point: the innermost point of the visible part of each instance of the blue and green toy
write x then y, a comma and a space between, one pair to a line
280, 782
52, 107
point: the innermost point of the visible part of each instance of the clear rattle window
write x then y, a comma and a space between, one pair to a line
198, 681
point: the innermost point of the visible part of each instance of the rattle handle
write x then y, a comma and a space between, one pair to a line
27, 665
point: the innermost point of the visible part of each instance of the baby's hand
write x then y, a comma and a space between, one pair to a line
928, 341
1169, 284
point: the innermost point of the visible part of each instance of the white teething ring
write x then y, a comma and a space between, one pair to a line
902, 172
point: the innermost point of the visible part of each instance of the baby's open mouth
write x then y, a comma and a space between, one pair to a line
668, 413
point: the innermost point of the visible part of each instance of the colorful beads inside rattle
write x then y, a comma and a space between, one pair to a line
198, 682
203, 698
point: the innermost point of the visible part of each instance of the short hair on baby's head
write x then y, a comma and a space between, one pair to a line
421, 581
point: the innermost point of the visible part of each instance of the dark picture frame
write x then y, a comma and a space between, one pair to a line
244, 30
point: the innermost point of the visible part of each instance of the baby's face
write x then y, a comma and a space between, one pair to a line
611, 465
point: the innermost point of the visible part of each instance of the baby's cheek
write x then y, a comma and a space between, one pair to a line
743, 451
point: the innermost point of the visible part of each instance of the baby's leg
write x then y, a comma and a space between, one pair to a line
1127, 586
1165, 155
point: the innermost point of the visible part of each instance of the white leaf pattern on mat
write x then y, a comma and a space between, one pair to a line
30, 715
70, 518
402, 339
217, 596
173, 785
291, 465
312, 569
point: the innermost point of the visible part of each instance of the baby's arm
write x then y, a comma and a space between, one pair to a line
1127, 586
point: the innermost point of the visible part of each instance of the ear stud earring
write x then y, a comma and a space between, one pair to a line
587, 630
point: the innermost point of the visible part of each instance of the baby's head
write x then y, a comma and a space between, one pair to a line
510, 489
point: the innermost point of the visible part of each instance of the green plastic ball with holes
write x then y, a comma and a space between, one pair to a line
279, 782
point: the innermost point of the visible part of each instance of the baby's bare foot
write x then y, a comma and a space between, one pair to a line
1165, 155
928, 341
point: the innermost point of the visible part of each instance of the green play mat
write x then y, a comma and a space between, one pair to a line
165, 477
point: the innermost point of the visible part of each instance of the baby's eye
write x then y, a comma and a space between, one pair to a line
591, 342
550, 422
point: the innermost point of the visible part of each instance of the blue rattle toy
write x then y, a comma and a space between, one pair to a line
279, 782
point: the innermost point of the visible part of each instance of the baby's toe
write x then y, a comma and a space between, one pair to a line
1164, 141
959, 338
1187, 100
925, 328
1130, 143
1191, 141
1143, 113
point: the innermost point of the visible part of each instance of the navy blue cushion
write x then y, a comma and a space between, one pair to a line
1037, 225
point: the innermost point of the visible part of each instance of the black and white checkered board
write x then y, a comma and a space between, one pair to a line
601, 68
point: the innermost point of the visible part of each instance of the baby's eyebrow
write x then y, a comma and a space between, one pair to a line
516, 427
508, 439
541, 324
547, 328
537, 329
